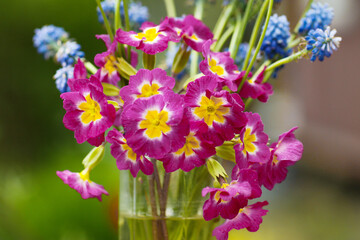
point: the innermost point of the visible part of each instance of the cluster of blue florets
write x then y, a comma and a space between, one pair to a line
48, 38
322, 43
61, 77
52, 41
241, 54
276, 38
319, 16
138, 14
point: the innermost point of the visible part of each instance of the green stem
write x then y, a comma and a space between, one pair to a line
288, 59
270, 5
127, 27
90, 67
117, 19
293, 43
235, 36
242, 28
224, 18
255, 32
224, 38
106, 21
308, 5
198, 13
170, 8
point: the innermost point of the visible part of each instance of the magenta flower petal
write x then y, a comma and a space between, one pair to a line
250, 217
82, 184
126, 158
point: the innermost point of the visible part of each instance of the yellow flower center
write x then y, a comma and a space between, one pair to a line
275, 160
211, 110
248, 141
217, 69
194, 37
130, 153
85, 175
155, 123
217, 194
91, 110
149, 35
190, 144
110, 64
149, 90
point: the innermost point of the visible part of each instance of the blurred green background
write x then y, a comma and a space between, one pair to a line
34, 204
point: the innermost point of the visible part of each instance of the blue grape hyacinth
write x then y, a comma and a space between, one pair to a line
68, 53
322, 43
319, 16
46, 39
61, 78
276, 37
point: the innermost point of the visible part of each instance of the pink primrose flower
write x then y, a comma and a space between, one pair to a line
152, 125
219, 65
285, 152
252, 143
255, 88
145, 84
194, 151
152, 40
126, 158
221, 111
82, 184
107, 61
230, 198
193, 31
87, 112
249, 217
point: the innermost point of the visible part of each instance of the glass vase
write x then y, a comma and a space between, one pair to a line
164, 206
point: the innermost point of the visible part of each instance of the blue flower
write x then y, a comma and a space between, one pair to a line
68, 53
61, 77
46, 39
319, 16
109, 9
241, 54
276, 38
137, 13
322, 43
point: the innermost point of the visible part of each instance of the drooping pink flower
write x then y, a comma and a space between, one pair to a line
87, 112
82, 184
193, 153
252, 143
152, 125
108, 62
145, 84
221, 111
284, 153
249, 217
126, 158
230, 198
194, 32
255, 88
219, 65
152, 40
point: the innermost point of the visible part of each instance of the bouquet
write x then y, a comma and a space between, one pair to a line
179, 125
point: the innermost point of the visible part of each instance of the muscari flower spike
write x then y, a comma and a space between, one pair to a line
61, 78
69, 52
319, 16
276, 38
46, 39
322, 43
241, 54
